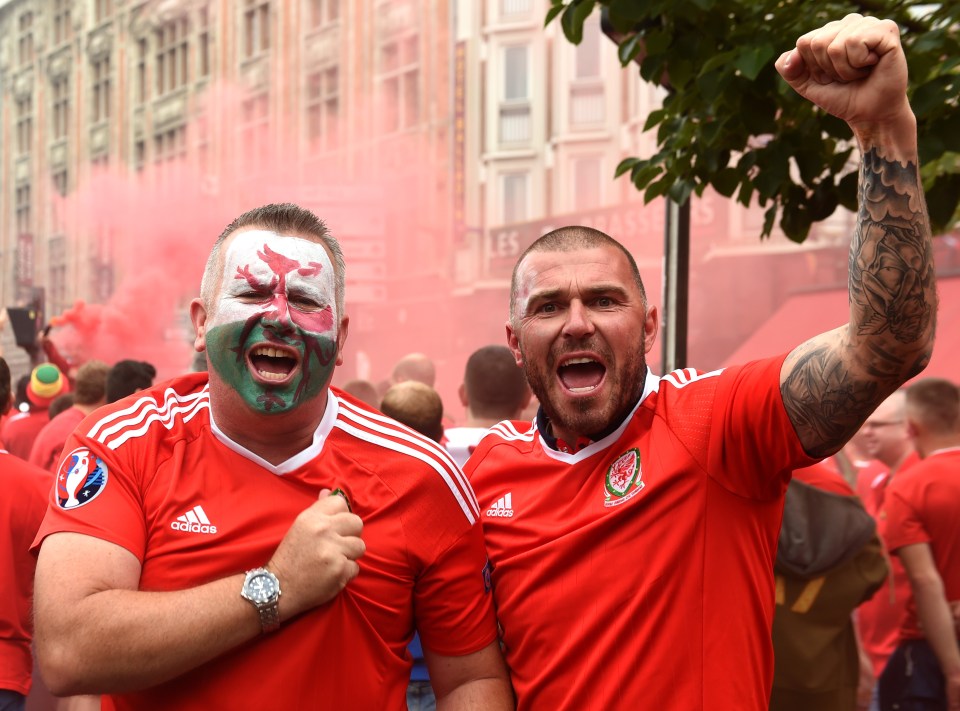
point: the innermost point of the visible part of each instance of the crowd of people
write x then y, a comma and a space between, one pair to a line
781, 534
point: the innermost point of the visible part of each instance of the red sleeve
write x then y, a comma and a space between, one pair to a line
902, 525
96, 494
753, 445
452, 602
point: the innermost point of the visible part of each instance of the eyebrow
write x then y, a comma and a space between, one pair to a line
591, 291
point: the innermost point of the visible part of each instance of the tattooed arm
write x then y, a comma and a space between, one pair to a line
855, 69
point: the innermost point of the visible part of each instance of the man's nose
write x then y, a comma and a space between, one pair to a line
578, 323
280, 314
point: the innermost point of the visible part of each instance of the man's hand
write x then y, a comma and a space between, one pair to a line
853, 68
318, 555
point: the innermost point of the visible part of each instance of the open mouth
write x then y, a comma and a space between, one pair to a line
273, 364
581, 375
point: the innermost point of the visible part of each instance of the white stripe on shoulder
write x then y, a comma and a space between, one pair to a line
429, 451
506, 430
685, 376
134, 421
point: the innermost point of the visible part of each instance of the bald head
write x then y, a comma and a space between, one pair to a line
416, 405
415, 366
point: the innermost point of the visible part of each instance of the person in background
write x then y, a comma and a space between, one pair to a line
62, 403
420, 408
127, 377
633, 564
922, 528
19, 431
364, 391
493, 389
24, 500
879, 619
414, 366
89, 393
829, 560
352, 530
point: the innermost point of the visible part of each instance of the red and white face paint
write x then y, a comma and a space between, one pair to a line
272, 330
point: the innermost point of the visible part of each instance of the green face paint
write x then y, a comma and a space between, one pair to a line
272, 336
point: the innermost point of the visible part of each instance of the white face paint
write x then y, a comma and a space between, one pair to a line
283, 277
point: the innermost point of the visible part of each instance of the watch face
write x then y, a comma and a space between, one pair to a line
261, 588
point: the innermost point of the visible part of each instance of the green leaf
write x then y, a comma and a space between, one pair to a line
768, 218
552, 13
625, 165
629, 49
657, 189
641, 176
752, 60
573, 18
942, 200
680, 191
725, 181
847, 190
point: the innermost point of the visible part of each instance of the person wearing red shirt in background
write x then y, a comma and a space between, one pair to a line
89, 393
22, 505
922, 528
20, 431
633, 568
885, 438
164, 498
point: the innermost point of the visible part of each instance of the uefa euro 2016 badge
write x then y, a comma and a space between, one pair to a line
623, 479
81, 478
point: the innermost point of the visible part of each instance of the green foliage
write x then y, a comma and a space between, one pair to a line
729, 122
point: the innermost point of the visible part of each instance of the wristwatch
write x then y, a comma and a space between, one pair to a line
262, 588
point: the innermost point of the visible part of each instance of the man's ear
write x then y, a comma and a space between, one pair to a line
342, 338
198, 316
513, 343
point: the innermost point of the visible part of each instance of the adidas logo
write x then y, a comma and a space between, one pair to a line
193, 521
503, 508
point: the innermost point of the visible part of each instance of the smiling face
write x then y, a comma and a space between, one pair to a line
272, 329
581, 335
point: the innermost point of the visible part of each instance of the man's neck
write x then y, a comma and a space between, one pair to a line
927, 446
896, 463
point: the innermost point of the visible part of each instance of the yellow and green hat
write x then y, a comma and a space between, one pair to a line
46, 384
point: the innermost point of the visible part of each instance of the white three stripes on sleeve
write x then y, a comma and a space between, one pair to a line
412, 444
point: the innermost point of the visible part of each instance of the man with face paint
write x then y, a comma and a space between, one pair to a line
250, 536
633, 527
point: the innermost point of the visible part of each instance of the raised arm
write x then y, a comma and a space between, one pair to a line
856, 70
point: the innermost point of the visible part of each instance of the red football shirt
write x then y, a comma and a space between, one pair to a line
48, 445
160, 480
638, 572
25, 492
921, 507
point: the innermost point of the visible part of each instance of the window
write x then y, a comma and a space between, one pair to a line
102, 9
25, 38
203, 44
61, 21
172, 55
254, 130
587, 193
514, 198
586, 91
101, 88
23, 209
323, 103
170, 145
61, 106
139, 154
256, 27
24, 123
515, 105
400, 82
514, 7
323, 12
60, 182
141, 70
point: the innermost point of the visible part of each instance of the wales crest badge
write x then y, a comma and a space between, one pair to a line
623, 480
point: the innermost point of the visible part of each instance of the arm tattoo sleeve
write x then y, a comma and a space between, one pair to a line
832, 388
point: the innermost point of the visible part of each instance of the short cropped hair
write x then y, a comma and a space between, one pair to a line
285, 219
363, 390
90, 385
495, 385
415, 366
416, 405
569, 239
935, 403
127, 377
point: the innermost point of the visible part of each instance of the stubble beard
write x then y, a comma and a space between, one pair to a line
587, 416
